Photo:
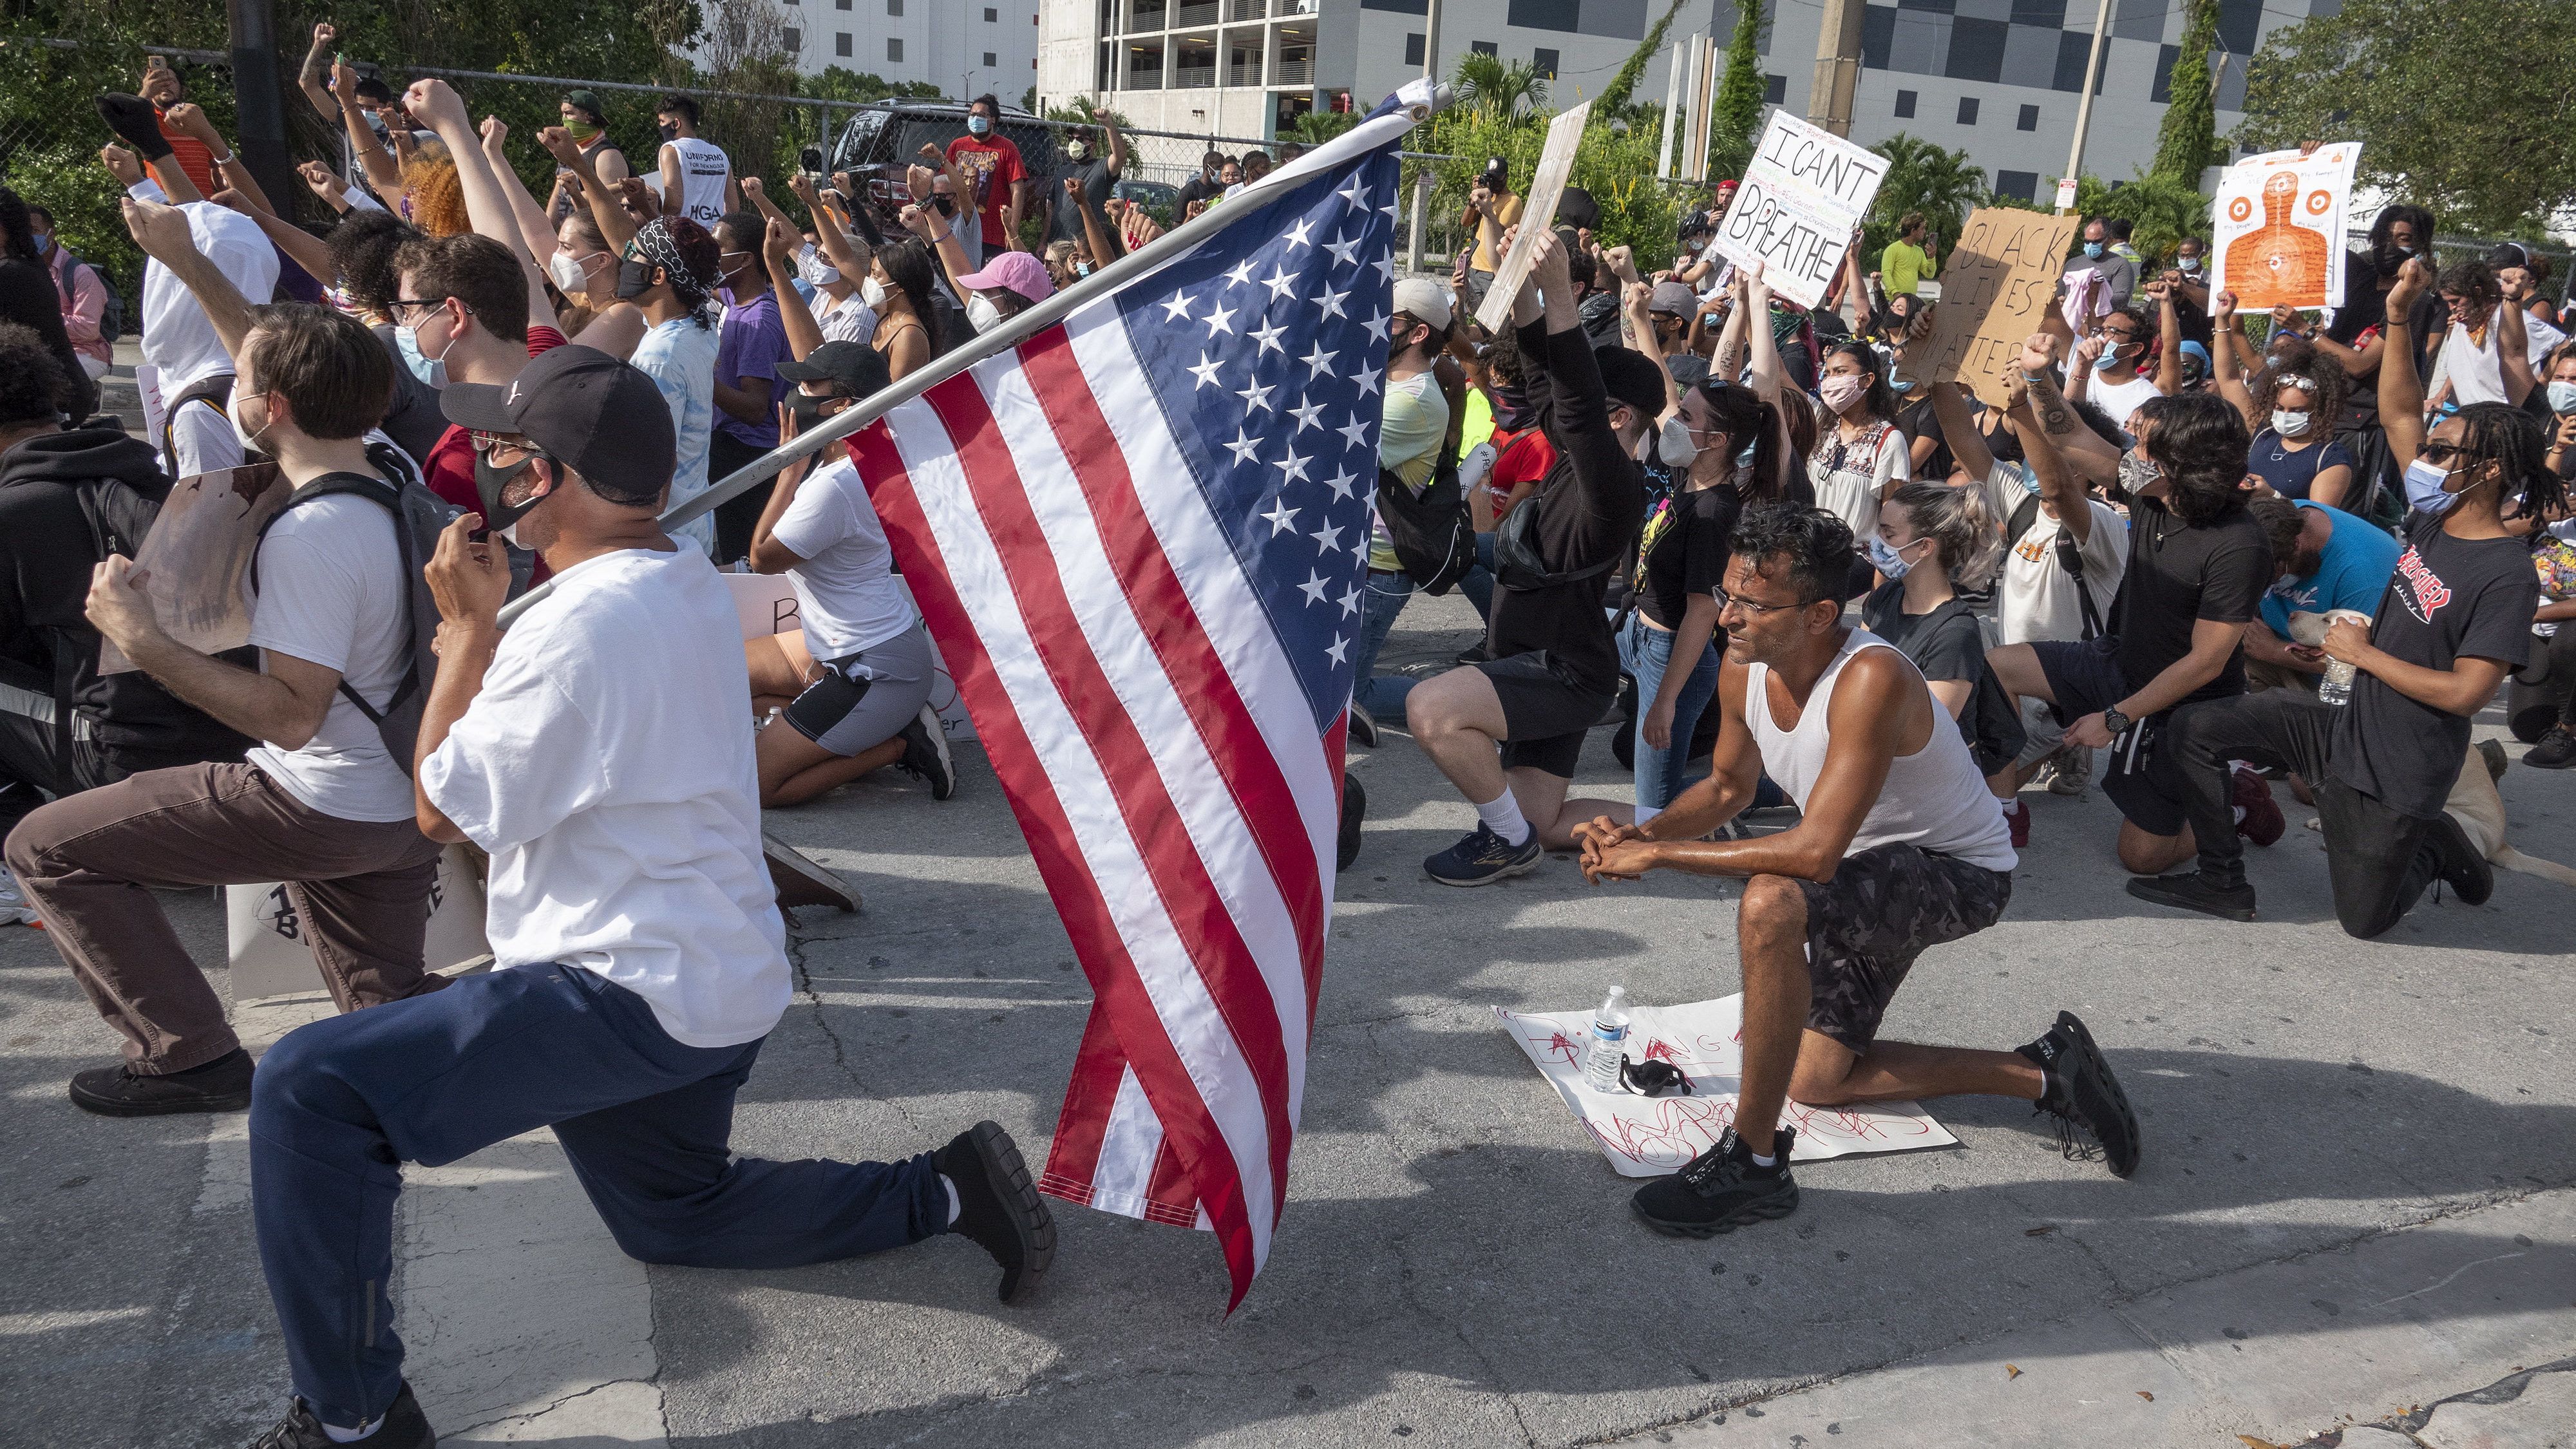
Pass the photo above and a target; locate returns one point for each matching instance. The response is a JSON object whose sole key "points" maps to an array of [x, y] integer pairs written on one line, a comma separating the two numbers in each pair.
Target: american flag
{"points": [[1139, 538]]}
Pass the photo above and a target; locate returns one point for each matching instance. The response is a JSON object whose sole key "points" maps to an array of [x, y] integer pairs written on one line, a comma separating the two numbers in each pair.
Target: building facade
{"points": [[964, 47], [1998, 79]]}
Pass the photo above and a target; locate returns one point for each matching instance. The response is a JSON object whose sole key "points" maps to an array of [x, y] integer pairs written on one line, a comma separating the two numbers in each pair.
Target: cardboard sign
{"points": [[2277, 228], [1651, 1136], [196, 559], [1803, 194], [269, 943], [1555, 164], [1995, 292]]}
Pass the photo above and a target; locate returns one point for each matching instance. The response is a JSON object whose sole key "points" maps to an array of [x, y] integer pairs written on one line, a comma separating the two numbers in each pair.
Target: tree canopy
{"points": [[1736, 116]]}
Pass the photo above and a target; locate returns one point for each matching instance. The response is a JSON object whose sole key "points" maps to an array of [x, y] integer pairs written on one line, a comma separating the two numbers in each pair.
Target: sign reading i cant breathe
{"points": [[1801, 198]]}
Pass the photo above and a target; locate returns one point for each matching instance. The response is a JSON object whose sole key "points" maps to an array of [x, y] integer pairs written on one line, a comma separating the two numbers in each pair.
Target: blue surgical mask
{"points": [[1899, 385], [2562, 397], [2424, 490], [431, 371], [1889, 561], [979, 125], [2188, 264], [2093, 249]]}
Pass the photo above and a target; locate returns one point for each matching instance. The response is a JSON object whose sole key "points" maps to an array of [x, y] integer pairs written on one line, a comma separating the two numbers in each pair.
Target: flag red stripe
{"points": [[1115, 982], [1074, 1157], [1205, 929], [1162, 607]]}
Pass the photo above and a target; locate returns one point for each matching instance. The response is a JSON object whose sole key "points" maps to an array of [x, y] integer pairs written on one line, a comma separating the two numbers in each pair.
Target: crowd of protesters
{"points": [[1793, 580]]}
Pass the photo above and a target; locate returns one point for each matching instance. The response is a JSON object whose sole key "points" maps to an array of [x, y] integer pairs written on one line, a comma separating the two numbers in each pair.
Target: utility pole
{"points": [[1422, 176], [1829, 105], [2092, 78], [259, 101]]}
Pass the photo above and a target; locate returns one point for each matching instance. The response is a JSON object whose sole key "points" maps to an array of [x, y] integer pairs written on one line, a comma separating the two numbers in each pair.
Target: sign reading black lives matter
{"points": [[1801, 198]]}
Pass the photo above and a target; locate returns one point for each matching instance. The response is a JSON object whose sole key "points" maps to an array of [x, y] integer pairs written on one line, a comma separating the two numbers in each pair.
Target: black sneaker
{"points": [[1721, 1190], [1363, 727], [222, 1085], [1475, 653], [2556, 750], [2193, 891], [998, 1206], [403, 1427], [925, 754], [1482, 859], [2083, 1096], [2464, 870], [1354, 810]]}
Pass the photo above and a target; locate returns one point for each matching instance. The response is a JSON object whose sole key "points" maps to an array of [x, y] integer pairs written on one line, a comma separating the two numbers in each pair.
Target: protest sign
{"points": [[1804, 193], [1555, 164], [196, 560], [1651, 1136], [268, 943], [2277, 228], [1995, 292]]}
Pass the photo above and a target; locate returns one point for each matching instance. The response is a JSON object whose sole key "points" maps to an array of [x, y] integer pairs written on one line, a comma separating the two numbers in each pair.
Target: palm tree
{"points": [[1507, 89], [1943, 185], [1314, 128]]}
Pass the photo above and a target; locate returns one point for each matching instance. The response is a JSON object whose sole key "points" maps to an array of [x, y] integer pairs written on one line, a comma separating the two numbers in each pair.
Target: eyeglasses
{"points": [[2121, 334], [502, 451], [1726, 601], [405, 308]]}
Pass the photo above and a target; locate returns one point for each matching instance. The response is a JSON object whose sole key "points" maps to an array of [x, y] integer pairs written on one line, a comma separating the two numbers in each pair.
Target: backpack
{"points": [[111, 318], [215, 392], [2070, 557], [1517, 564], [1434, 542], [420, 516]]}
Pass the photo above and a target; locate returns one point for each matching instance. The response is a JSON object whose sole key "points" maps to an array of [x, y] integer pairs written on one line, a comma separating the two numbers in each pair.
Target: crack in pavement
{"points": [[533, 1415], [805, 987]]}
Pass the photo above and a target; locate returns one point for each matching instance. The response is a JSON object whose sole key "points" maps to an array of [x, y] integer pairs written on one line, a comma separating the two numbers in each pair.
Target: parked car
{"points": [[1160, 202], [880, 141]]}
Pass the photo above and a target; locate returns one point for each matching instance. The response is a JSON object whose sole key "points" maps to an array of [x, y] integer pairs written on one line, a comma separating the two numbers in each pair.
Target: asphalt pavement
{"points": [[2354, 1208]]}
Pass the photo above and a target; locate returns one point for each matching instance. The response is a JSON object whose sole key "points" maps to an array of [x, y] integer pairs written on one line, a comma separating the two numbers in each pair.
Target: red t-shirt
{"points": [[448, 471], [193, 158], [995, 165]]}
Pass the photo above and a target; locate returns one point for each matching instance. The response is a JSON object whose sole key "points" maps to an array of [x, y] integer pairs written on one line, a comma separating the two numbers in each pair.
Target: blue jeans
{"points": [[1382, 597], [340, 1105], [1647, 654], [1478, 583]]}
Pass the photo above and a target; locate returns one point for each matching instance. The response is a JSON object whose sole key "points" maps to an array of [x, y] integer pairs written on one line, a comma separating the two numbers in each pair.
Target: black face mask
{"points": [[488, 485], [946, 206], [634, 278], [806, 409], [670, 130]]}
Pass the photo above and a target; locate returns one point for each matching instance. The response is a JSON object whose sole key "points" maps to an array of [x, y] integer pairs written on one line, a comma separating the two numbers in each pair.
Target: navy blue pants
{"points": [[340, 1105]]}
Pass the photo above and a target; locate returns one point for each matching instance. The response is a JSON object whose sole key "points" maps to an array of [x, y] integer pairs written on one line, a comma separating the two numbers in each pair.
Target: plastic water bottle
{"points": [[1609, 1044], [2336, 687]]}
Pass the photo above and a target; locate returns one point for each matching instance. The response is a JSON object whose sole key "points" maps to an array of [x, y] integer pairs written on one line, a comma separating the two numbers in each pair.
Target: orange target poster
{"points": [[2278, 226]]}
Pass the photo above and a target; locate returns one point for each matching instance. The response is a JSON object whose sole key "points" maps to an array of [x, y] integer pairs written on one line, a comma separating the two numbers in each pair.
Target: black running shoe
{"points": [[925, 754], [1482, 859], [998, 1206], [2193, 891], [1475, 653], [403, 1427], [1354, 810], [2464, 870], [1363, 727], [222, 1085], [2083, 1096], [1721, 1190], [2556, 750]]}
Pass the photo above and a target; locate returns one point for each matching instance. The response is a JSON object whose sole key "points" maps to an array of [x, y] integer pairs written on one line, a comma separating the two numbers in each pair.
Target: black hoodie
{"points": [[48, 547]]}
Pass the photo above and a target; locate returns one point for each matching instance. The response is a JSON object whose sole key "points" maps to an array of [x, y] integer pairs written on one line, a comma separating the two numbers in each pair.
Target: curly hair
{"points": [[32, 386], [2199, 439], [362, 251], [436, 194], [2302, 364], [1969, 537]]}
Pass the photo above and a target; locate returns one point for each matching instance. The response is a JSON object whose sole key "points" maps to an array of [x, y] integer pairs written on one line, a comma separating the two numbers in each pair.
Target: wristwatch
{"points": [[2116, 722]]}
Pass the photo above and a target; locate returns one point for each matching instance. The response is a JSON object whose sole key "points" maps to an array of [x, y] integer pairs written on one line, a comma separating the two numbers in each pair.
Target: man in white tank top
{"points": [[697, 180], [1898, 847]]}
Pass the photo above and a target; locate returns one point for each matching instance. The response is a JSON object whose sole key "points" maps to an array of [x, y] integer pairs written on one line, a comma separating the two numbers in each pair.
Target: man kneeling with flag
{"points": [[598, 753]]}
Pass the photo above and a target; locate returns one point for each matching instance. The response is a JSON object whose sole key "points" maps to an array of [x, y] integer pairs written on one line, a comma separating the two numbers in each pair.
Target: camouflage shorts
{"points": [[1867, 924]]}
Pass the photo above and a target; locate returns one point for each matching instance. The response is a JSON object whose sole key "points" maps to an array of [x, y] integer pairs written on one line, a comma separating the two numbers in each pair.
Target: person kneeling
{"points": [[1898, 847], [855, 680], [597, 752]]}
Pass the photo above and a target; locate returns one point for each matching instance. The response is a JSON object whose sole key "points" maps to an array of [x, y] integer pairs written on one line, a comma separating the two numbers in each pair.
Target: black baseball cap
{"points": [[594, 414], [855, 367]]}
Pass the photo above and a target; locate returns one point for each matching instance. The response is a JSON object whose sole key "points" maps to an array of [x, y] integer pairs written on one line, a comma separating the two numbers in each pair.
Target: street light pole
{"points": [[2092, 78], [1422, 177]]}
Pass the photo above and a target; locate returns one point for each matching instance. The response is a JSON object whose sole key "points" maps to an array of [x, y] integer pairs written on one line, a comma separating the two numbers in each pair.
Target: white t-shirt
{"points": [[703, 173], [202, 438], [2472, 369], [331, 593], [2120, 399], [848, 320], [608, 770], [846, 592], [2035, 597], [680, 357]]}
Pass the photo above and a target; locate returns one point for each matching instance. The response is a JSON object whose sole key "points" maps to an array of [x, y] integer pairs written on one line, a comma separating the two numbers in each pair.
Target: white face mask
{"points": [[1674, 445], [2562, 397], [2290, 424], [873, 293], [816, 271], [982, 314], [232, 410], [569, 278]]}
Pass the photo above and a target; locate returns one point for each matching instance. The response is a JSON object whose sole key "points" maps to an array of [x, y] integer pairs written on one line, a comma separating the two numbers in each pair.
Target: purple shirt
{"points": [[750, 346]]}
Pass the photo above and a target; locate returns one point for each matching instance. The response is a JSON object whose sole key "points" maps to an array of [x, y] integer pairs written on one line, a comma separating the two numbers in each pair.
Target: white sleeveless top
{"points": [[703, 171], [1934, 799]]}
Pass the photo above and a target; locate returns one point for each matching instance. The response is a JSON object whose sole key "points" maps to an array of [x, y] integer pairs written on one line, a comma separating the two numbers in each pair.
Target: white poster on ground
{"points": [[1651, 1136], [1804, 192], [2277, 228]]}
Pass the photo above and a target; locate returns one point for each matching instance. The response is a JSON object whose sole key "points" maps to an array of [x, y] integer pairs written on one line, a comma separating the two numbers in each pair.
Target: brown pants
{"points": [[90, 861]]}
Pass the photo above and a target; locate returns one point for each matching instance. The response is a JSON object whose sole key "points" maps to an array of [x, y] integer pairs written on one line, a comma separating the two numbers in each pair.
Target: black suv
{"points": [[882, 139]]}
